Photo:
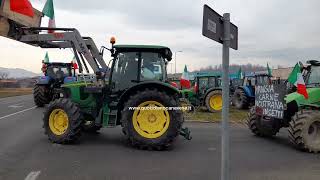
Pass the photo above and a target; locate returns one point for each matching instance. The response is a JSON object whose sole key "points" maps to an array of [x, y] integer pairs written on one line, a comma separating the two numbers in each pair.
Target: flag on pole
{"points": [[185, 79], [46, 58], [240, 74], [22, 7], [74, 63], [297, 80], [48, 11], [269, 70]]}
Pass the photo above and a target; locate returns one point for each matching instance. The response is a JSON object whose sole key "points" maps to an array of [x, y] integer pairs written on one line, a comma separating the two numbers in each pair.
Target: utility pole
{"points": [[175, 61]]}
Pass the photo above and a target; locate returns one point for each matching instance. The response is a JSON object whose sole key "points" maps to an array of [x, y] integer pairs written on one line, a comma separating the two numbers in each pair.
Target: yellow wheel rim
{"points": [[216, 102], [58, 122], [150, 121]]}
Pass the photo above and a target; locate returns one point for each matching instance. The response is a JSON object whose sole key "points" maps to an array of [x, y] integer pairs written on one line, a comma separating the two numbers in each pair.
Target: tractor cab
{"points": [[135, 64], [58, 71]]}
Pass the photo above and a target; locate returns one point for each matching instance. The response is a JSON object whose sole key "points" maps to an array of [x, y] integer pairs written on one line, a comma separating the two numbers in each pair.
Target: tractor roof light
{"points": [[112, 40]]}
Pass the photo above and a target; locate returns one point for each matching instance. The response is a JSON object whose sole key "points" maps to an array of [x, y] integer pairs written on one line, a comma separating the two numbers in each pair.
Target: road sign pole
{"points": [[225, 169]]}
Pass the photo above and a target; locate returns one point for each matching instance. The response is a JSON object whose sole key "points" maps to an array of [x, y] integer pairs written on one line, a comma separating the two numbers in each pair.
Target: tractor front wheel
{"points": [[213, 101], [147, 121], [62, 121], [304, 130], [41, 95], [240, 99]]}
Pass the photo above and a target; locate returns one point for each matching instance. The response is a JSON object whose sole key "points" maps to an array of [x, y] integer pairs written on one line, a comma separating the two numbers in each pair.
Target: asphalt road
{"points": [[25, 153]]}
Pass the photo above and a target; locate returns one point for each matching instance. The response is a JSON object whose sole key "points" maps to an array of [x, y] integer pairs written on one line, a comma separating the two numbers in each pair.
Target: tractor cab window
{"points": [[125, 70], [203, 84], [152, 67], [58, 72], [263, 80], [314, 75], [212, 82]]}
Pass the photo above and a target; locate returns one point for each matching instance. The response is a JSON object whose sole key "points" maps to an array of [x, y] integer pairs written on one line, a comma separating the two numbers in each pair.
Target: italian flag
{"points": [[22, 7], [296, 79], [185, 79], [48, 11], [74, 63], [46, 58]]}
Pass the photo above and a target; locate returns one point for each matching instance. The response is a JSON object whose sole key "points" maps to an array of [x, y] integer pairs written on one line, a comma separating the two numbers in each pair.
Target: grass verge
{"points": [[203, 115], [9, 92]]}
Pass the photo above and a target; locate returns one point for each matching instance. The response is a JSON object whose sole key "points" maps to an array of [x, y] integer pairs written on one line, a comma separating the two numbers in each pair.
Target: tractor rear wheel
{"points": [[41, 95], [213, 101], [240, 99], [151, 125], [62, 121], [304, 130], [255, 125]]}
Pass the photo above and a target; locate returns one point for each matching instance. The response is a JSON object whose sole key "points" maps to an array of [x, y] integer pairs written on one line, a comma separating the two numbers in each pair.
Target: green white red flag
{"points": [[296, 79], [74, 63], [185, 79], [48, 11], [22, 7], [46, 58]]}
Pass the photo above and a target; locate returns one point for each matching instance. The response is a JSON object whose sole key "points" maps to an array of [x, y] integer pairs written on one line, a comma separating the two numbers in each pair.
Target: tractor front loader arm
{"points": [[66, 38]]}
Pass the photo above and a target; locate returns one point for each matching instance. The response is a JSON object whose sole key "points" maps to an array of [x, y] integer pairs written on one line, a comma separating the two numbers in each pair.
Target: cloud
{"points": [[281, 32]]}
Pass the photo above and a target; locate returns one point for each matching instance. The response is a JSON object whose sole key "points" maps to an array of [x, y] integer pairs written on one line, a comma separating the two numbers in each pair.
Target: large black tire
{"points": [[209, 106], [166, 139], [73, 130], [41, 95], [89, 125], [256, 127], [304, 130], [240, 99]]}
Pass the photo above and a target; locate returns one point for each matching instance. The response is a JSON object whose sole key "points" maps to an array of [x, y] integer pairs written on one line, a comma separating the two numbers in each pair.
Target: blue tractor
{"points": [[48, 86], [244, 89]]}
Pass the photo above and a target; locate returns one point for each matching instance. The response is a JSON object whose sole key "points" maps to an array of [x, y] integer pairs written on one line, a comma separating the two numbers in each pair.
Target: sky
{"points": [[280, 32]]}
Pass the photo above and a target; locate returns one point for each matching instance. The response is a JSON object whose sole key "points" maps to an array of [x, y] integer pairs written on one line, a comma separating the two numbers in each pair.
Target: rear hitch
{"points": [[186, 133]]}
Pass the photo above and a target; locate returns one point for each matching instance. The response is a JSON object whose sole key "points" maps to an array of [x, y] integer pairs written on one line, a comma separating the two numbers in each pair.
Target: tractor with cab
{"points": [[132, 91], [206, 92], [301, 116], [244, 89], [48, 86]]}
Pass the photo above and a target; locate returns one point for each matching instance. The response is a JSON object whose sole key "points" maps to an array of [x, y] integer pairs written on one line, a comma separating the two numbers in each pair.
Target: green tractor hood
{"points": [[313, 100]]}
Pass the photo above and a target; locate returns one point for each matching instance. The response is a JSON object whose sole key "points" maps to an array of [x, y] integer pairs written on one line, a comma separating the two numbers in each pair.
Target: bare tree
{"points": [[4, 75]]}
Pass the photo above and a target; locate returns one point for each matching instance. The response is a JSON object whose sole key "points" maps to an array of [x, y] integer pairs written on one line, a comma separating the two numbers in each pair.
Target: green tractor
{"points": [[133, 93], [207, 92], [301, 116]]}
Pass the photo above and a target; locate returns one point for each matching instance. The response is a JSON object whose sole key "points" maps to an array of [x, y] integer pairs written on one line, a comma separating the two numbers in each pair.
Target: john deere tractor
{"points": [[207, 92], [301, 115], [48, 86], [244, 90]]}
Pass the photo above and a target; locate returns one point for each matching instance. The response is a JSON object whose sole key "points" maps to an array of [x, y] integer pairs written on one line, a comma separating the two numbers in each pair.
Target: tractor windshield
{"points": [[58, 72], [314, 76]]}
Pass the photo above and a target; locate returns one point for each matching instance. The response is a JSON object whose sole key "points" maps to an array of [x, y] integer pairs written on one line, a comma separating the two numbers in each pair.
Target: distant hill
{"points": [[18, 73]]}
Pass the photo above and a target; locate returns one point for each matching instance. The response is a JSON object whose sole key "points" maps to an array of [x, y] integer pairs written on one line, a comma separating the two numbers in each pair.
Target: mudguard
{"points": [[43, 80]]}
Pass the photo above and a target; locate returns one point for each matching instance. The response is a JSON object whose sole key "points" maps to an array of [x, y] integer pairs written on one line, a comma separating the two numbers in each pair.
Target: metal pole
{"points": [[225, 169]]}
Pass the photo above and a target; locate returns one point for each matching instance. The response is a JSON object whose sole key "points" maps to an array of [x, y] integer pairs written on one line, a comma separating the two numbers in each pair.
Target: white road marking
{"points": [[18, 112], [33, 175], [20, 105]]}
